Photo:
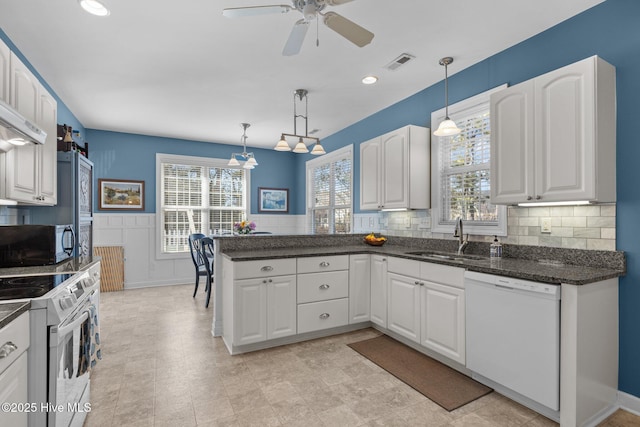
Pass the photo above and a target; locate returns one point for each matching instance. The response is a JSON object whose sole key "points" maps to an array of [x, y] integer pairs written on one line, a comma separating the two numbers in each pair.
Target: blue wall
{"points": [[127, 156], [609, 30]]}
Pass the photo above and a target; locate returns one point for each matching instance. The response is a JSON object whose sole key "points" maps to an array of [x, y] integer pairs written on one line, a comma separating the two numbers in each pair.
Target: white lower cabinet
{"points": [[442, 323], [14, 342], [264, 309], [359, 288], [404, 306], [426, 305], [378, 290]]}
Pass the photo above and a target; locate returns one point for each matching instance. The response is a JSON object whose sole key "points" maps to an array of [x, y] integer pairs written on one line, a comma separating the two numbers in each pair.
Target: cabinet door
{"points": [[21, 175], [564, 133], [13, 389], [443, 320], [47, 153], [379, 290], [5, 72], [404, 306], [250, 311], [395, 168], [281, 306], [85, 187], [370, 177], [512, 144], [359, 288]]}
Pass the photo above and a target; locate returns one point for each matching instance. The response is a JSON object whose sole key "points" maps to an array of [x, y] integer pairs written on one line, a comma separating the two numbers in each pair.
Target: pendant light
{"points": [[248, 158], [447, 126], [300, 147]]}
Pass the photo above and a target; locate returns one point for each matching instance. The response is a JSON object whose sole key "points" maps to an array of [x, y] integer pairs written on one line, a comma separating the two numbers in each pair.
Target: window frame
{"points": [[314, 163], [206, 162], [478, 102]]}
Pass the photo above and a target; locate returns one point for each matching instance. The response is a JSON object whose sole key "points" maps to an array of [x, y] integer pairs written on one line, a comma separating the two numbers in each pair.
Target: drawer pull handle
{"points": [[324, 286], [324, 264], [324, 316], [266, 268], [10, 347]]}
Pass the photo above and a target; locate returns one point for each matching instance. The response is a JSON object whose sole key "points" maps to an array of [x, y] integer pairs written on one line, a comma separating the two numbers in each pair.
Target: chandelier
{"points": [[248, 158], [301, 146]]}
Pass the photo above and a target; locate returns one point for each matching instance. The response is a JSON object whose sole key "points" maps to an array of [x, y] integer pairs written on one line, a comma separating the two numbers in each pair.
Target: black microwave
{"points": [[33, 245]]}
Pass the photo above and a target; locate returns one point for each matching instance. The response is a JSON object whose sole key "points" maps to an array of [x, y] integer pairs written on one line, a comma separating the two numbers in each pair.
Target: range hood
{"points": [[15, 130]]}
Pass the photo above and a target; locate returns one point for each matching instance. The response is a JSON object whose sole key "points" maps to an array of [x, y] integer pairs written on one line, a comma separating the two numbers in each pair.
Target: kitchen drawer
{"points": [[403, 266], [323, 286], [323, 263], [438, 273], [264, 268], [14, 339], [315, 316]]}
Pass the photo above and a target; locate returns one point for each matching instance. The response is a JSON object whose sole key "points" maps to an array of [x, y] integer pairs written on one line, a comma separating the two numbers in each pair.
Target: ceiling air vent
{"points": [[399, 61]]}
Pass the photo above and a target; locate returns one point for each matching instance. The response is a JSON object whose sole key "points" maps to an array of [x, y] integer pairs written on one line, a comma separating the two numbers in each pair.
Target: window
{"points": [[461, 171], [197, 195], [329, 189]]}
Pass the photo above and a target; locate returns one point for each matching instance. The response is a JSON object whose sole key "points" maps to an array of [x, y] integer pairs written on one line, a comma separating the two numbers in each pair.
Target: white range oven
{"points": [[64, 311]]}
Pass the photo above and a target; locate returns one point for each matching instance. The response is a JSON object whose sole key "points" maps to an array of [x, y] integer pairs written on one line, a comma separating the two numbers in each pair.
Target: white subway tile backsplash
{"points": [[574, 221], [601, 221]]}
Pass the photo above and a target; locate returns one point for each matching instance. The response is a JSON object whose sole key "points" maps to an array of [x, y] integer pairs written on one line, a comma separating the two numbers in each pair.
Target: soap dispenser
{"points": [[495, 250]]}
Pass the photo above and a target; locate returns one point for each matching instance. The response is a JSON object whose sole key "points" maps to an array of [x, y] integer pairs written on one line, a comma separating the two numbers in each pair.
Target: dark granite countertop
{"points": [[9, 311], [72, 265], [541, 270]]}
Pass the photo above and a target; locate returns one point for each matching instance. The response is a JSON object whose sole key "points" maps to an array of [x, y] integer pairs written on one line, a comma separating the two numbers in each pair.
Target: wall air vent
{"points": [[399, 61]]}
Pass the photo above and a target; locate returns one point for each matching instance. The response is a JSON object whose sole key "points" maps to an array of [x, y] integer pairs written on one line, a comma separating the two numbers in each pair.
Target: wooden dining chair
{"points": [[206, 250], [195, 246]]}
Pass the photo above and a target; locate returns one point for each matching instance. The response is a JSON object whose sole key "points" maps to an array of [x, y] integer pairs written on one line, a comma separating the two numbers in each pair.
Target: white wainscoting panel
{"points": [[137, 234]]}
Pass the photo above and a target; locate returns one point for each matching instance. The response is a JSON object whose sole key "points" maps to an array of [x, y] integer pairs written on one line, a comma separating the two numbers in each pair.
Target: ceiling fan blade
{"points": [[294, 43], [348, 29], [336, 2], [236, 12]]}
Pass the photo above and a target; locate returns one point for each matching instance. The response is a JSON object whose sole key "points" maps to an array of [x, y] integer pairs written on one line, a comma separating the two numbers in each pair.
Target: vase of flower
{"points": [[244, 227]]}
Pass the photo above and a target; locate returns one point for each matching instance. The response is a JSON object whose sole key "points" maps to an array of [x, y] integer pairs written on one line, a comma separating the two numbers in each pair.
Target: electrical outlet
{"points": [[545, 225]]}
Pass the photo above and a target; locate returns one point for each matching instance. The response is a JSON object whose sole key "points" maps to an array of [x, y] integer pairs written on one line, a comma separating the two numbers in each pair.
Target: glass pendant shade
{"points": [[300, 147], [447, 128], [252, 161], [233, 161], [248, 166], [318, 149], [282, 145]]}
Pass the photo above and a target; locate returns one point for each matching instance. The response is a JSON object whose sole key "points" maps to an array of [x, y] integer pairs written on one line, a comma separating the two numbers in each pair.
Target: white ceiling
{"points": [[180, 69]]}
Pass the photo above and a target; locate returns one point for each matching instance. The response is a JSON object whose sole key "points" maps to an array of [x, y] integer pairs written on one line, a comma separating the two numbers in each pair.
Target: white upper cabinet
{"points": [[30, 172], [5, 72], [394, 170], [553, 138]]}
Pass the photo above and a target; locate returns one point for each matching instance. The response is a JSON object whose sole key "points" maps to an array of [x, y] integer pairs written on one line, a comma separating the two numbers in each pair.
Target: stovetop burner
{"points": [[29, 286]]}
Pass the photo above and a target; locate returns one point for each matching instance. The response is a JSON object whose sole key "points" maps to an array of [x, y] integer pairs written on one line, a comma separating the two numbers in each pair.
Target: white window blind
{"points": [[198, 196], [461, 173], [329, 184]]}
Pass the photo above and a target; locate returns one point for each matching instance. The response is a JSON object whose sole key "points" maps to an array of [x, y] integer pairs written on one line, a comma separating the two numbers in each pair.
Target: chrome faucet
{"points": [[462, 242]]}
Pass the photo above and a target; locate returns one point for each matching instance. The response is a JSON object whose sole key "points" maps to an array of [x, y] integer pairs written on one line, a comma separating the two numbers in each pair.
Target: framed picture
{"points": [[273, 199], [121, 194]]}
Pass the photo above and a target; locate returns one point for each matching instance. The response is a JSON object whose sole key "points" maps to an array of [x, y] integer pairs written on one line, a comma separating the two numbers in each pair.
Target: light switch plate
{"points": [[545, 225]]}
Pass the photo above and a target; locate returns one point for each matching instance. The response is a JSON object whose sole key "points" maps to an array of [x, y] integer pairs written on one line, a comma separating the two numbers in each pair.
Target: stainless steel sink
{"points": [[445, 256]]}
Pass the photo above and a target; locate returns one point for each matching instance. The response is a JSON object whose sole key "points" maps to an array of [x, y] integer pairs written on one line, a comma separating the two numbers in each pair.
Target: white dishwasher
{"points": [[513, 337]]}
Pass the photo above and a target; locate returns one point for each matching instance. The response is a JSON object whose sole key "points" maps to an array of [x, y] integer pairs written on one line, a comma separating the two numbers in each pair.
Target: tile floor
{"points": [[162, 367]]}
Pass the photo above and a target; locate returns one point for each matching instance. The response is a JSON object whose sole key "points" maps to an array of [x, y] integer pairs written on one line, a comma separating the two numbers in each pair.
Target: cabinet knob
{"points": [[416, 283], [10, 347], [538, 197], [266, 268], [324, 316], [529, 197], [324, 286], [324, 264]]}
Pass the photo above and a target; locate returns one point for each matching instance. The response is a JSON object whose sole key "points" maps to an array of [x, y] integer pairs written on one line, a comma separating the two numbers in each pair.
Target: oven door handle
{"points": [[64, 330]]}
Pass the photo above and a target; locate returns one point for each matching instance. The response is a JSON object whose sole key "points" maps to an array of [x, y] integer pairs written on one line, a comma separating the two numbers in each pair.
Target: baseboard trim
{"points": [[629, 402]]}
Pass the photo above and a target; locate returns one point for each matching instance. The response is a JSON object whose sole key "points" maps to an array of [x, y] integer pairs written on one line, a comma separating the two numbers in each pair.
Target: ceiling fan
{"points": [[310, 10]]}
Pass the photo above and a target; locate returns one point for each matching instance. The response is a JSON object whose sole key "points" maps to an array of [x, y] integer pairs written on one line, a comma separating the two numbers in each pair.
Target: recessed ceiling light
{"points": [[369, 80], [94, 7]]}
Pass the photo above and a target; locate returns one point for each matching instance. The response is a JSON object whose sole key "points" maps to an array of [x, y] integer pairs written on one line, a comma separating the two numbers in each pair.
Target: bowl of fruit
{"points": [[373, 240]]}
